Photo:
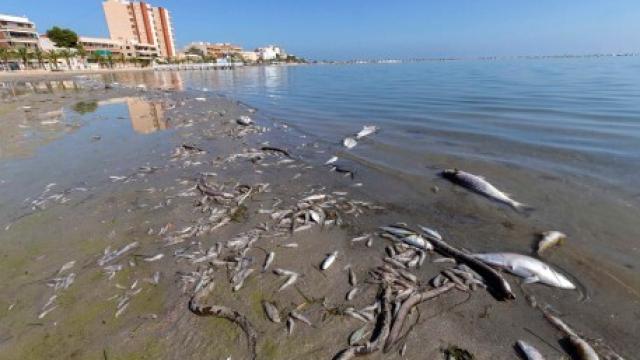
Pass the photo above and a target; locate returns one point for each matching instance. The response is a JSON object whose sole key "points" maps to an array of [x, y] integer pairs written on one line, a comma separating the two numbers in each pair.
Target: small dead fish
{"points": [[244, 120], [46, 312], [290, 245], [326, 263], [481, 186], [154, 258], [271, 311], [352, 277], [361, 238], [366, 131], [290, 281], [290, 326], [332, 160], [549, 239], [349, 142], [296, 315], [66, 266], [358, 335], [268, 261], [352, 293], [529, 351]]}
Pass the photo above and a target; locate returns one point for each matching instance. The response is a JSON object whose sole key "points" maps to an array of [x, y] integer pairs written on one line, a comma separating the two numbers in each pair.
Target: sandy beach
{"points": [[171, 193]]}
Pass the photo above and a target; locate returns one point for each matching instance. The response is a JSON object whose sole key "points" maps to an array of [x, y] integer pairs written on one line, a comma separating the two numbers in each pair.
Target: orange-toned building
{"points": [[142, 23]]}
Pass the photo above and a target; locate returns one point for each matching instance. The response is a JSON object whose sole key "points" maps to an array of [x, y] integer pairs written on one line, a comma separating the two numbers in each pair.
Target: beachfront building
{"points": [[141, 23], [249, 56], [215, 50], [101, 46], [270, 53], [17, 32]]}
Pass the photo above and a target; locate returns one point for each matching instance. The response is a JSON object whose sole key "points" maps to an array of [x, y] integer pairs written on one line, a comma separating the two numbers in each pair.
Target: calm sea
{"points": [[567, 117]]}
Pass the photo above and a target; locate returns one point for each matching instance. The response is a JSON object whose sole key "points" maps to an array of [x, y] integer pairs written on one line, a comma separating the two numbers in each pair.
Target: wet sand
{"points": [[122, 175]]}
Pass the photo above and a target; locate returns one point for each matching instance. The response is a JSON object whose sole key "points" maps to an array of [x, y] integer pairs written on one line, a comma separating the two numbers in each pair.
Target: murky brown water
{"points": [[83, 169]]}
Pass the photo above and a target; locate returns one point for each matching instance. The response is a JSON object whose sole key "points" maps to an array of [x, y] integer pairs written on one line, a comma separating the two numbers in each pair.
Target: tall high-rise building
{"points": [[142, 23]]}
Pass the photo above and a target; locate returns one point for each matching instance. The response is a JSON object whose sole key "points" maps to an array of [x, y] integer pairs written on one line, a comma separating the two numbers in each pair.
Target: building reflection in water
{"points": [[146, 116]]}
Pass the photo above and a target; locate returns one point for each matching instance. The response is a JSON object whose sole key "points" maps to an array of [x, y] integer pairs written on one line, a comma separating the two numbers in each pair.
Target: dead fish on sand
{"points": [[481, 186], [268, 260], [408, 236], [349, 142], [271, 311], [529, 351], [582, 347], [366, 131], [549, 239], [532, 270], [326, 263], [154, 258]]}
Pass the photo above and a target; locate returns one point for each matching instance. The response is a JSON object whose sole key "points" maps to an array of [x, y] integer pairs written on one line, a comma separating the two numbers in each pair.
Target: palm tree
{"points": [[24, 55], [53, 58], [123, 59], [5, 55], [66, 54], [39, 55]]}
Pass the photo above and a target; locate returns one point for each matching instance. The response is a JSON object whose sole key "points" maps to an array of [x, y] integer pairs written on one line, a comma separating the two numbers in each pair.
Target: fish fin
{"points": [[531, 279]]}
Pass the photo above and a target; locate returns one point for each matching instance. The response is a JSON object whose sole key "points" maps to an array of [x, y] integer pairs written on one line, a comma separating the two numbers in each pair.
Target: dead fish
{"points": [[358, 335], [408, 236], [481, 186], [154, 258], [275, 149], [271, 311], [326, 263], [549, 239], [351, 294], [290, 281], [582, 348], [290, 326], [352, 277], [66, 266], [532, 270], [45, 312], [289, 245], [332, 160], [529, 351], [244, 120], [366, 131], [268, 261], [296, 315], [349, 142]]}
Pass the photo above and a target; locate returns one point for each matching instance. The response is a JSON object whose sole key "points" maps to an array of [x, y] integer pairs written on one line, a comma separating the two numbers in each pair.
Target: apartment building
{"points": [[102, 46], [142, 23], [17, 32], [216, 50]]}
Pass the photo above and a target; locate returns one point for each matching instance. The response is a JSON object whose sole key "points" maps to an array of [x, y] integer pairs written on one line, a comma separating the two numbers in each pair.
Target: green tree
{"points": [[39, 55], [53, 57], [123, 59], [65, 38], [6, 55], [66, 54]]}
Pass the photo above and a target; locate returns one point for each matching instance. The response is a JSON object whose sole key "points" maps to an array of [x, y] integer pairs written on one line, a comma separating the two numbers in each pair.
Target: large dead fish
{"points": [[481, 186], [532, 270]]}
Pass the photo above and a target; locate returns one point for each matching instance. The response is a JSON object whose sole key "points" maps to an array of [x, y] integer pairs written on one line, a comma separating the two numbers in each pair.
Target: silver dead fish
{"points": [[271, 311], [529, 351], [326, 263], [366, 131], [349, 142], [532, 270], [481, 186]]}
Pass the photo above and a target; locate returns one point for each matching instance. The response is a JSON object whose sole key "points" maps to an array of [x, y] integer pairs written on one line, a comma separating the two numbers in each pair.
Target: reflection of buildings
{"points": [[146, 116]]}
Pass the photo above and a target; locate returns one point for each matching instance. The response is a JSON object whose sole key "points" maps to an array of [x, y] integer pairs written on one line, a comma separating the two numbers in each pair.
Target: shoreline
{"points": [[291, 181], [46, 74]]}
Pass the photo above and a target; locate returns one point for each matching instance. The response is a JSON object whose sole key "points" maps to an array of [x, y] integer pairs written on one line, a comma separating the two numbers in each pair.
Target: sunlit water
{"points": [[569, 116]]}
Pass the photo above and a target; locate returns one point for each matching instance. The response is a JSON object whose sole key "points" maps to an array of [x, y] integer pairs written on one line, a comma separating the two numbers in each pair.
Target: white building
{"points": [[270, 52]]}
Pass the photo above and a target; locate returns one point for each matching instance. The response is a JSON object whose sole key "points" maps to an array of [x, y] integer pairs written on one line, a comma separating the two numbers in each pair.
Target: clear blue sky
{"points": [[344, 29]]}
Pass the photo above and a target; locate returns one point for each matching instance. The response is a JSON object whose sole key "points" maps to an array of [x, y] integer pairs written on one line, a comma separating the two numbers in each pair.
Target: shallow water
{"points": [[549, 132]]}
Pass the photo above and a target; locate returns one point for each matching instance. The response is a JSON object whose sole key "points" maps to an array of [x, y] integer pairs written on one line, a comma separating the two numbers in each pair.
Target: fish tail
{"points": [[522, 208]]}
